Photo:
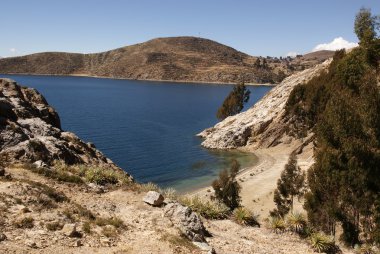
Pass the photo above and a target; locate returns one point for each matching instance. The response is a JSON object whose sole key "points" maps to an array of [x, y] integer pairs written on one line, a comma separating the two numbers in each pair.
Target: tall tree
{"points": [[289, 186], [226, 188], [234, 102], [366, 25]]}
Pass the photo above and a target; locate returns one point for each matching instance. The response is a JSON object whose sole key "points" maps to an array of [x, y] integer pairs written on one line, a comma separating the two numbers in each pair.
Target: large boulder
{"points": [[69, 229], [153, 198], [186, 220]]}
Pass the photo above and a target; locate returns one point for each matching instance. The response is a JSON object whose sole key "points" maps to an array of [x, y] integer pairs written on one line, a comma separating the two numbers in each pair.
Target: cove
{"points": [[147, 128]]}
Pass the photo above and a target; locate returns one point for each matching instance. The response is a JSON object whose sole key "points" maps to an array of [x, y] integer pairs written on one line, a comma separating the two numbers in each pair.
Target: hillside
{"points": [[175, 59], [61, 195]]}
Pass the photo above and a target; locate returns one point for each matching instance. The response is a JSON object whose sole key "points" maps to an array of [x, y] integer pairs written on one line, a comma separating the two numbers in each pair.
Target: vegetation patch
{"points": [[206, 208]]}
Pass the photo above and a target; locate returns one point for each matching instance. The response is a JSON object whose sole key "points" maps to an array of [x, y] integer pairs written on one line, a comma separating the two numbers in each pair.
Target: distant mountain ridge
{"points": [[189, 59]]}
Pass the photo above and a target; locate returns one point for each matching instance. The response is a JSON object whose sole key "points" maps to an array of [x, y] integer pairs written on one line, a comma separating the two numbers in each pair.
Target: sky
{"points": [[265, 28]]}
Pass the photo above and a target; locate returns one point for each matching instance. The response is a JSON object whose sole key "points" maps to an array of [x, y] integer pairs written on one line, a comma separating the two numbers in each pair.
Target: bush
{"points": [[206, 208], [322, 243], [54, 226], [226, 187], [277, 224], [101, 176], [116, 222], [244, 217], [149, 187], [297, 222]]}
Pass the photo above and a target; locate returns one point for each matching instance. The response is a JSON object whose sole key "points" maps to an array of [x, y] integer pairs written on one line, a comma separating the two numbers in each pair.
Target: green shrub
{"points": [[101, 176], [54, 226], [297, 222], [169, 193], [244, 217], [149, 187], [116, 222], [87, 227], [322, 243], [206, 208], [277, 224]]}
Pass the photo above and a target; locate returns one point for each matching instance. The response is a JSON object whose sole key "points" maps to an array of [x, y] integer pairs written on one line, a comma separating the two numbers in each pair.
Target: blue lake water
{"points": [[147, 128]]}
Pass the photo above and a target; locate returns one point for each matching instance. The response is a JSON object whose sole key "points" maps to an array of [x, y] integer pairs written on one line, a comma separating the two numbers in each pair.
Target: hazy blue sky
{"points": [[256, 27]]}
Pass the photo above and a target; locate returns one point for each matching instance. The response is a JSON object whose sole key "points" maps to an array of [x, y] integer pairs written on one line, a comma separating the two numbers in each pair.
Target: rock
{"points": [[153, 198], [186, 220], [96, 188], [204, 246], [30, 243], [40, 164], [69, 230], [2, 171], [30, 131], [3, 237], [264, 124]]}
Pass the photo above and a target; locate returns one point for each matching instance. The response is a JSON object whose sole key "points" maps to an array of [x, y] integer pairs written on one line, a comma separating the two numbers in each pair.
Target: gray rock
{"points": [[40, 164], [69, 229], [2, 237], [186, 220], [96, 188], [30, 131], [153, 198], [30, 243], [204, 246]]}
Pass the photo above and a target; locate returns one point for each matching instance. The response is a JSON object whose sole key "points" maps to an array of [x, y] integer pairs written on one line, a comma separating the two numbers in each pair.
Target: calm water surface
{"points": [[147, 128]]}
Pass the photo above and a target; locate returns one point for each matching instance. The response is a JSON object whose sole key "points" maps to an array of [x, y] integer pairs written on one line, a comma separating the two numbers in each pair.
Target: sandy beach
{"points": [[259, 181]]}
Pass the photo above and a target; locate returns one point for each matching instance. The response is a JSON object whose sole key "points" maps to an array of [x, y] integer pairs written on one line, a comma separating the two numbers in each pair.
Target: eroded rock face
{"points": [[186, 220], [30, 131], [264, 125]]}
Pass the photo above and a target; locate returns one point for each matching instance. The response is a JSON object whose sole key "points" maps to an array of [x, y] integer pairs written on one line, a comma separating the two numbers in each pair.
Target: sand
{"points": [[259, 181]]}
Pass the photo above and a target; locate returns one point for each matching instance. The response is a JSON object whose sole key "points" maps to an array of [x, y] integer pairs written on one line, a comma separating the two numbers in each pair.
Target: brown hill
{"points": [[174, 58]]}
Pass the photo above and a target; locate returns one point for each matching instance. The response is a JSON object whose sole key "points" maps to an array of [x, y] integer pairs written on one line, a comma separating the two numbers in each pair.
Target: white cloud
{"points": [[292, 54], [13, 50], [337, 43]]}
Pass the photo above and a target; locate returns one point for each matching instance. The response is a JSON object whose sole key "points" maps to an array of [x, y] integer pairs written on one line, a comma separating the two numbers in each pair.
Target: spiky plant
{"points": [[169, 193], [244, 217], [296, 222], [321, 242], [277, 224], [149, 187], [207, 208]]}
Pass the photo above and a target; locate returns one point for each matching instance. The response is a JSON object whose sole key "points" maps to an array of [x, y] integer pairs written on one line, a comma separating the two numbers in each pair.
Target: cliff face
{"points": [[264, 125], [30, 130], [175, 59]]}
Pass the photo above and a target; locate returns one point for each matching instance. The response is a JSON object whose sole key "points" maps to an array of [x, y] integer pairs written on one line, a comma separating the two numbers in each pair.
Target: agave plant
{"points": [[207, 208], [277, 224], [244, 217], [297, 222], [321, 242]]}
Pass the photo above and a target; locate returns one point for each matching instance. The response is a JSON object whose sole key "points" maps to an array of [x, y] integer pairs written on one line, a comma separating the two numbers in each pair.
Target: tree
{"points": [[226, 188], [289, 186], [366, 25], [234, 102]]}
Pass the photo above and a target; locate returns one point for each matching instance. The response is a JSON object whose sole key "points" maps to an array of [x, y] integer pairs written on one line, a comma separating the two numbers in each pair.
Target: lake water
{"points": [[147, 128]]}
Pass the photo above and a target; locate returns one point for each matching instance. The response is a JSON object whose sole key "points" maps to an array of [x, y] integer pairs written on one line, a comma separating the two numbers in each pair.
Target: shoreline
{"points": [[149, 80], [259, 181]]}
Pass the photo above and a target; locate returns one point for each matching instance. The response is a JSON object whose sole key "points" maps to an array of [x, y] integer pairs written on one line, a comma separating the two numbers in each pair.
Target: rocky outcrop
{"points": [[263, 125], [186, 220], [30, 131], [153, 198]]}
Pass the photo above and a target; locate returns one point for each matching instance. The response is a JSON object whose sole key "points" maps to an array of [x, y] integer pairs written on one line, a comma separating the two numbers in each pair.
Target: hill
{"points": [[189, 59], [61, 195]]}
